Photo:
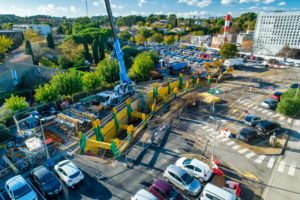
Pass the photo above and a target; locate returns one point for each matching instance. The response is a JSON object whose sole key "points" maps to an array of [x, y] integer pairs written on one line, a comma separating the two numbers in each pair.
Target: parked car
{"points": [[164, 191], [295, 85], [18, 189], [268, 127], [196, 168], [269, 103], [247, 134], [46, 181], [211, 191], [68, 172], [277, 96], [180, 178], [251, 120], [143, 195]]}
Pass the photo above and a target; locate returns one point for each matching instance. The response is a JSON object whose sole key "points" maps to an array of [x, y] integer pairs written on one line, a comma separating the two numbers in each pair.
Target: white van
{"points": [[211, 191]]}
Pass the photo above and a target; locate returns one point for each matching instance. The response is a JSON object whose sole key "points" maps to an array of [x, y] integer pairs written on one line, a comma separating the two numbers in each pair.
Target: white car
{"points": [[68, 172], [211, 191], [143, 195], [18, 189], [195, 167]]}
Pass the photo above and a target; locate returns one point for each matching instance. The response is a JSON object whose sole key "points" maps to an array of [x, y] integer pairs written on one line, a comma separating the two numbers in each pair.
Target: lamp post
{"points": [[49, 161], [218, 124]]}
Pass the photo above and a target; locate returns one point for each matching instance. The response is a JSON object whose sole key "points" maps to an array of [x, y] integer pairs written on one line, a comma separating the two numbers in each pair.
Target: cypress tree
{"points": [[28, 50], [96, 51], [50, 41], [101, 49]]}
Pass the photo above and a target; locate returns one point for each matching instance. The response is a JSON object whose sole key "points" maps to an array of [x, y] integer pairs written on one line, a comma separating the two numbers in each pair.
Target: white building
{"points": [[275, 30], [42, 29]]}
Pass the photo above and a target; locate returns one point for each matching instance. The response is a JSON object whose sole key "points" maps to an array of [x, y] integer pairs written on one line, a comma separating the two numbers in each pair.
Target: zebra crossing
{"points": [[268, 112]]}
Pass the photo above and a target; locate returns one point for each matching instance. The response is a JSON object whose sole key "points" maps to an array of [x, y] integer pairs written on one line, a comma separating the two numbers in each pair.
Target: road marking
{"points": [[264, 111], [243, 151], [246, 103], [292, 169], [205, 127], [236, 147], [259, 109], [281, 166], [289, 120], [270, 113], [250, 155], [231, 143], [225, 139], [271, 162], [254, 107], [281, 118], [210, 130], [297, 122], [219, 136], [36, 190], [260, 159], [277, 115]]}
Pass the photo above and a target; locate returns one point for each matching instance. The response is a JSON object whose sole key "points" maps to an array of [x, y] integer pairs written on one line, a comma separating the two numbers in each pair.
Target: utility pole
{"points": [[218, 124], [86, 8]]}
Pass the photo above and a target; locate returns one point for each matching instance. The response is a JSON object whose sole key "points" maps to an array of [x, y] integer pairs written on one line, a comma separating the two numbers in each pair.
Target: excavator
{"points": [[220, 73]]}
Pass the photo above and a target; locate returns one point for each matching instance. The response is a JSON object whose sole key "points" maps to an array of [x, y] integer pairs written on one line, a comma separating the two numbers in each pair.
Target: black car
{"points": [[251, 120], [268, 127], [295, 85], [46, 181], [247, 134]]}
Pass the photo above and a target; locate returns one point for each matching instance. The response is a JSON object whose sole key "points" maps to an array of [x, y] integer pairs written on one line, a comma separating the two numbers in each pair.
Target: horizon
{"points": [[181, 8]]}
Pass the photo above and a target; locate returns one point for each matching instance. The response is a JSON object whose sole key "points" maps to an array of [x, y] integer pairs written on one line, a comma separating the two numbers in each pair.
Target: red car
{"points": [[276, 96], [164, 191]]}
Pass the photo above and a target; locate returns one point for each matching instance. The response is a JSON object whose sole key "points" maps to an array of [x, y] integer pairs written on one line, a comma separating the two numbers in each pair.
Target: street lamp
{"points": [[49, 161], [218, 124]]}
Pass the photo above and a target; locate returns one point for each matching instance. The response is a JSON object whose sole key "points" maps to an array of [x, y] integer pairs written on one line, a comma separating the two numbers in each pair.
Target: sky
{"points": [[182, 8]]}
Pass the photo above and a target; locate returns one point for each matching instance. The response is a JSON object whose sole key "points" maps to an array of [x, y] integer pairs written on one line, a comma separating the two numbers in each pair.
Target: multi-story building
{"points": [[218, 40], [275, 30], [244, 41], [42, 29]]}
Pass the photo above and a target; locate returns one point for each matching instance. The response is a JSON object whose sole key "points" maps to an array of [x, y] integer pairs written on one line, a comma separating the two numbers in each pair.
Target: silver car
{"points": [[180, 178]]}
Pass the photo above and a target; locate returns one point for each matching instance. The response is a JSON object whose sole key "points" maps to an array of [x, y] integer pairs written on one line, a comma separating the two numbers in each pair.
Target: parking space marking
{"points": [[277, 115], [271, 162], [250, 155], [264, 111], [36, 190], [225, 139], [292, 169], [236, 147], [260, 159], [259, 109], [231, 143], [205, 127], [281, 166], [255, 107], [270, 113], [243, 151], [289, 120], [281, 118]]}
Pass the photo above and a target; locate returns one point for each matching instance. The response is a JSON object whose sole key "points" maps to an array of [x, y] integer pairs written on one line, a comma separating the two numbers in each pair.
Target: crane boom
{"points": [[123, 76]]}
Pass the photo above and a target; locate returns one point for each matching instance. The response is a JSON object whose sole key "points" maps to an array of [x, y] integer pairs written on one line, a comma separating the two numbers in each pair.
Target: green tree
{"points": [[142, 65], [140, 39], [124, 35], [50, 41], [28, 50], [15, 104], [46, 93], [4, 133], [145, 32], [101, 49], [228, 50], [67, 83], [63, 62], [5, 44], [153, 55], [289, 103], [92, 80], [109, 69], [169, 39], [47, 62], [140, 23], [7, 26], [157, 37], [32, 36], [96, 51], [129, 54]]}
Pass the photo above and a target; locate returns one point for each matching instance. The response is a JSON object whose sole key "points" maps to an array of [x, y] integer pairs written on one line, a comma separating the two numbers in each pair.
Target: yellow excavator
{"points": [[220, 73]]}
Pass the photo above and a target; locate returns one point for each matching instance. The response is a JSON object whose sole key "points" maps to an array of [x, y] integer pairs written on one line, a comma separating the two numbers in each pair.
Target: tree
{"points": [[5, 44], [287, 52], [15, 104], [32, 36], [157, 37], [140, 23], [140, 39], [28, 50], [142, 65], [46, 93], [50, 41], [153, 55], [289, 103], [129, 54], [198, 33], [63, 62], [4, 133], [169, 39], [71, 50], [96, 51], [92, 80], [109, 69], [228, 50], [47, 62], [145, 32], [101, 49], [124, 35], [67, 83], [7, 26]]}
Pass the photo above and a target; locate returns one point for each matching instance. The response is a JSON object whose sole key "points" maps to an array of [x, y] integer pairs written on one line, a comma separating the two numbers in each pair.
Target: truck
{"points": [[109, 99], [236, 62], [177, 67]]}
